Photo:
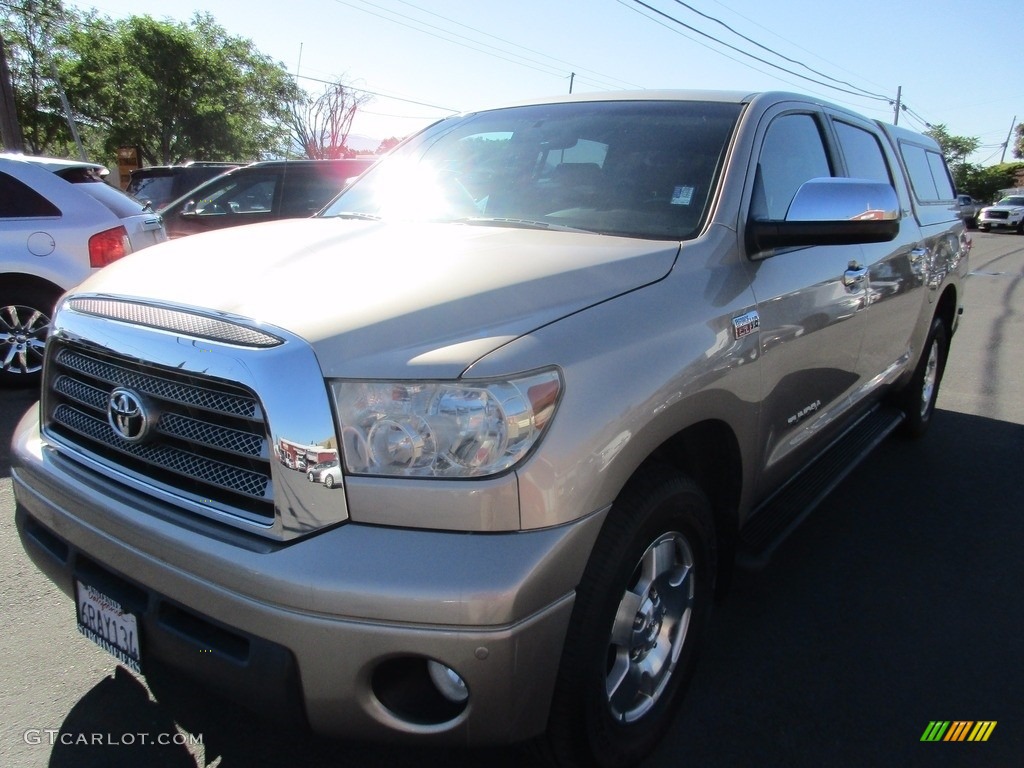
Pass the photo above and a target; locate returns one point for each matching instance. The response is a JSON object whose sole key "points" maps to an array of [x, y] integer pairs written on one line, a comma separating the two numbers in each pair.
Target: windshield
{"points": [[636, 168], [1012, 201]]}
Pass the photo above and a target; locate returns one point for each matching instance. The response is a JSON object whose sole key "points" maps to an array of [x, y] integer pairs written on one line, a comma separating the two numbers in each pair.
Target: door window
{"points": [[863, 153], [793, 152]]}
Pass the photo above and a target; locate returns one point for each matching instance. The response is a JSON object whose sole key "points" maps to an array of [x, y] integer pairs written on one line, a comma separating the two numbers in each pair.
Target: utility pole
{"points": [[899, 95], [1013, 124], [572, 76], [67, 112], [10, 128]]}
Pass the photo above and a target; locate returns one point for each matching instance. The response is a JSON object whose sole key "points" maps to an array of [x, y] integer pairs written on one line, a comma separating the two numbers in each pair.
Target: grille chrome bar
{"points": [[208, 442], [182, 393], [178, 461]]}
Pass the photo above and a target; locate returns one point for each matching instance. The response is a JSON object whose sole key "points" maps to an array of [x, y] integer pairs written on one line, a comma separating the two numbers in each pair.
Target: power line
{"points": [[461, 40], [575, 68], [861, 94], [378, 93], [776, 53]]}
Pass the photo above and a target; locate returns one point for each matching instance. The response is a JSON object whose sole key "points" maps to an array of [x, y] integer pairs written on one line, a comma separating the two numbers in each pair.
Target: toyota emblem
{"points": [[128, 415]]}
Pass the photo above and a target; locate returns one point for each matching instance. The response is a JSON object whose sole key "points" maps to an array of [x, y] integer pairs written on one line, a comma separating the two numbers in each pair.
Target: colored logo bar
{"points": [[959, 730]]}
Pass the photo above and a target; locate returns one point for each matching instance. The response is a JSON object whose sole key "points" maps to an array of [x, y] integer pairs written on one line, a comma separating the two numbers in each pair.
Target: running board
{"points": [[779, 515]]}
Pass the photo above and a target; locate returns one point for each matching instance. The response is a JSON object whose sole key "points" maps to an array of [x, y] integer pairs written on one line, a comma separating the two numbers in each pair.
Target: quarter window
{"points": [[928, 174], [19, 201]]}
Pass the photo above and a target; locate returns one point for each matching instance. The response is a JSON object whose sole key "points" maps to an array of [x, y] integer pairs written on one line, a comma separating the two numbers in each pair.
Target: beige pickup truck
{"points": [[574, 358]]}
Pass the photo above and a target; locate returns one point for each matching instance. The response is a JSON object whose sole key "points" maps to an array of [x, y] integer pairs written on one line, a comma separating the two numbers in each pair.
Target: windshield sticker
{"points": [[682, 195]]}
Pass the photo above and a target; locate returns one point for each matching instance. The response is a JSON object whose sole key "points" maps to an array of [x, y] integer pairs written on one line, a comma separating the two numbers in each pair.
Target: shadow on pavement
{"points": [[895, 604]]}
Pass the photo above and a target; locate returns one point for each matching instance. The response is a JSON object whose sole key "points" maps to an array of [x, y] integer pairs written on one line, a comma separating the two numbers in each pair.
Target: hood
{"points": [[379, 299]]}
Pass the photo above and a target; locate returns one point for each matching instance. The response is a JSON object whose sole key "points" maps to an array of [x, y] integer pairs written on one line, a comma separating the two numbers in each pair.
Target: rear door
{"points": [[894, 269]]}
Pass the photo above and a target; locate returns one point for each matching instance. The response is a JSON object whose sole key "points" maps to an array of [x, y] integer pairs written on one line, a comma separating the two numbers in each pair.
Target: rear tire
{"points": [[25, 313], [917, 400], [640, 608]]}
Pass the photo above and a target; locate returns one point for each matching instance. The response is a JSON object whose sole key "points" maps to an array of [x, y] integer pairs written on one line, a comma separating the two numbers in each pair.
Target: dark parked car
{"points": [[160, 184], [275, 189]]}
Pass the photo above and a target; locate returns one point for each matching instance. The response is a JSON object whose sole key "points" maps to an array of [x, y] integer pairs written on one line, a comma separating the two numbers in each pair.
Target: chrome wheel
{"points": [[650, 627], [23, 333], [917, 399], [641, 603], [930, 379]]}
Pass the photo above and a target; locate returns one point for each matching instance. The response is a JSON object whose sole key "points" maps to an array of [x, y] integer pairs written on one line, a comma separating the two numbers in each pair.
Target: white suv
{"points": [[1008, 213], [59, 222]]}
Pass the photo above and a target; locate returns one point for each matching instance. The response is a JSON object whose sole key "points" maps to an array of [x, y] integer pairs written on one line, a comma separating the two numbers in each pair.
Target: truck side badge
{"points": [[745, 324]]}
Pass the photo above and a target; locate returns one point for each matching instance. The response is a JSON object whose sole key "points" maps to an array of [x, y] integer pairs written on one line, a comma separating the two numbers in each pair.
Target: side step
{"points": [[780, 514]]}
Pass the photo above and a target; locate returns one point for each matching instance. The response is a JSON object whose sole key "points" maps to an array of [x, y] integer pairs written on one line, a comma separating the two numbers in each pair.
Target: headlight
{"points": [[442, 428]]}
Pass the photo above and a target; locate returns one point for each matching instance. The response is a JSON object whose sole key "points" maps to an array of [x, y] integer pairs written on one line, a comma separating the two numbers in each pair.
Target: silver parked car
{"points": [[326, 472], [59, 223]]}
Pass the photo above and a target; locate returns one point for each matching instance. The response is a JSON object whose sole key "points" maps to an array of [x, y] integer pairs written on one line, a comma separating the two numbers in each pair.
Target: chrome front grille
{"points": [[208, 443]]}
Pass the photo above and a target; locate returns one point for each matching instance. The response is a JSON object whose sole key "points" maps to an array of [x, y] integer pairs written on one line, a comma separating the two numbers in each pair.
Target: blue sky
{"points": [[425, 58]]}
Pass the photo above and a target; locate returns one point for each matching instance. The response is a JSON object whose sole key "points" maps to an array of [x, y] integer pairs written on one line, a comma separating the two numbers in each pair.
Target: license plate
{"points": [[106, 623]]}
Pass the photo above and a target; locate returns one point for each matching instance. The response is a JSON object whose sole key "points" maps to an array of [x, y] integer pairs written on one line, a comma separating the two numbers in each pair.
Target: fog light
{"points": [[448, 682]]}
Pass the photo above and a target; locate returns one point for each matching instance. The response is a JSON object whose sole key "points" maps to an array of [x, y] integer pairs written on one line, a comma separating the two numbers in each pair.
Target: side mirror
{"points": [[831, 211], [189, 208]]}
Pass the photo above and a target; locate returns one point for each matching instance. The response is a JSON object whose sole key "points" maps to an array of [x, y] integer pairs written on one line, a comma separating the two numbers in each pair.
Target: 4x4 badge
{"points": [[745, 324], [128, 415]]}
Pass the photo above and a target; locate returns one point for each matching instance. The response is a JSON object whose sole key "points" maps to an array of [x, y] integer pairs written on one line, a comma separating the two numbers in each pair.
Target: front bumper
{"points": [[1009, 223], [325, 629]]}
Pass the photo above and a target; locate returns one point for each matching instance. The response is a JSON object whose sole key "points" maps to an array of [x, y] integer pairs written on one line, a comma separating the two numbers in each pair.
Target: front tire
{"points": [[917, 400], [640, 607]]}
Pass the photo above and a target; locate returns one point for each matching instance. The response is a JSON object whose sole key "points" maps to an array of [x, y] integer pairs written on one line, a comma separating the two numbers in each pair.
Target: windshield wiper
{"points": [[354, 215], [493, 221]]}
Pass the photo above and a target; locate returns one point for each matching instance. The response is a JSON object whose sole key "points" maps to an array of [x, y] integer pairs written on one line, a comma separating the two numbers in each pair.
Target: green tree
{"points": [[956, 148], [177, 91], [984, 183], [30, 28]]}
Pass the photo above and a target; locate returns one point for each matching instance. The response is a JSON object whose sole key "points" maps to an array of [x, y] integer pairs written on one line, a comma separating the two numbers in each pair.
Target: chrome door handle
{"points": [[854, 275]]}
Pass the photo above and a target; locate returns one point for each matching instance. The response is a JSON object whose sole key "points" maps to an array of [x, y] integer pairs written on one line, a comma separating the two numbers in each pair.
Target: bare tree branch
{"points": [[321, 124]]}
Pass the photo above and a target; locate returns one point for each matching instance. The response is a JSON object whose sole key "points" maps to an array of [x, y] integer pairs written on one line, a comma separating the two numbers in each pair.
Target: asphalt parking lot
{"points": [[897, 604]]}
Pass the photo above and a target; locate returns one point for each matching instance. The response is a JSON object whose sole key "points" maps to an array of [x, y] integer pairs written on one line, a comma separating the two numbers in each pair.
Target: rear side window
{"points": [[120, 204], [305, 193], [19, 201], [152, 187], [929, 176], [863, 153]]}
